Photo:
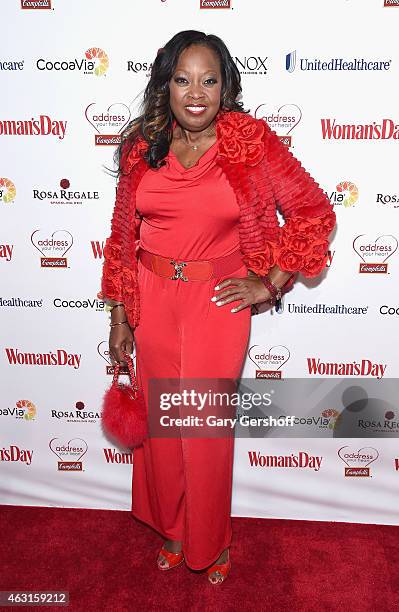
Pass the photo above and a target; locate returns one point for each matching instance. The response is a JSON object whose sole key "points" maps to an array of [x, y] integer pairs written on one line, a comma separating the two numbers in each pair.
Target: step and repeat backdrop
{"points": [[324, 76]]}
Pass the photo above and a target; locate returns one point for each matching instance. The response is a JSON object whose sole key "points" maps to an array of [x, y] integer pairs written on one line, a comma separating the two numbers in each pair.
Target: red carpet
{"points": [[106, 560]]}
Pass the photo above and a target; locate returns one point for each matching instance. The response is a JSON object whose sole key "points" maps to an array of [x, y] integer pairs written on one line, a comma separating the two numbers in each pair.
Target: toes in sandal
{"points": [[172, 559], [221, 568]]}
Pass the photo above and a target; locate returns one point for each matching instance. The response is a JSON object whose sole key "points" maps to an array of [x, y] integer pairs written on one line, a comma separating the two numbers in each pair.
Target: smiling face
{"points": [[195, 88]]}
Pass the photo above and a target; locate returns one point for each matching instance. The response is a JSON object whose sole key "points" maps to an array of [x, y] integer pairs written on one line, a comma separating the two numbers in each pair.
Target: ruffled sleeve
{"points": [[309, 216], [111, 279], [113, 270]]}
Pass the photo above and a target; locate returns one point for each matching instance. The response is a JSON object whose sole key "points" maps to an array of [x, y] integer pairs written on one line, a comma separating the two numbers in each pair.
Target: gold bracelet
{"points": [[120, 323]]}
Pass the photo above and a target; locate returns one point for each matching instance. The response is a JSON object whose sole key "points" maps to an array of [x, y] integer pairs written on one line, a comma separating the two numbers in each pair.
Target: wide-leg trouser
{"points": [[182, 486]]}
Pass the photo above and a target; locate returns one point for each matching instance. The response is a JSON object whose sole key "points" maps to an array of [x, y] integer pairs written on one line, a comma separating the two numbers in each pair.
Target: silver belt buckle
{"points": [[178, 270]]}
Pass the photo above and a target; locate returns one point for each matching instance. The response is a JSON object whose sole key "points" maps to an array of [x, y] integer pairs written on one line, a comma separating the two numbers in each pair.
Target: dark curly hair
{"points": [[155, 121]]}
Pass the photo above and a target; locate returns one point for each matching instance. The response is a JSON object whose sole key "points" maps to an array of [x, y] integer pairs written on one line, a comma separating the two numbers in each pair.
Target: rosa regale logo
{"points": [[53, 248], [282, 121], [358, 461], [270, 361], [7, 190], [108, 124], [378, 251]]}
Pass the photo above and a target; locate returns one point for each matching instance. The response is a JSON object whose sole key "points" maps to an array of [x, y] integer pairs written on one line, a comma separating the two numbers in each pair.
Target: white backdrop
{"points": [[57, 129]]}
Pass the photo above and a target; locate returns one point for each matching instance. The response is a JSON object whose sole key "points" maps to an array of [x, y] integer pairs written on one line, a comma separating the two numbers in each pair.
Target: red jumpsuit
{"points": [[182, 486]]}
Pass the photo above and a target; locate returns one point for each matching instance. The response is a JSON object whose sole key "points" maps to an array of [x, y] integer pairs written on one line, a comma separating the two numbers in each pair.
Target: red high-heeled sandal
{"points": [[222, 568], [173, 559]]}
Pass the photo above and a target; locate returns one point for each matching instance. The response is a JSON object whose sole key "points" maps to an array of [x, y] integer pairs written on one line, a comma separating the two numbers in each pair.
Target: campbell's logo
{"points": [[282, 121], [336, 63], [94, 61], [53, 248], [302, 459], [358, 460], [374, 253], [385, 130], [65, 195], [388, 200], [113, 456], [252, 64], [269, 361], [15, 454], [363, 368], [35, 4], [69, 453], [108, 122], [215, 4], [23, 409], [7, 190], [346, 194], [42, 126], [6, 251], [103, 351], [80, 414], [59, 357], [12, 65]]}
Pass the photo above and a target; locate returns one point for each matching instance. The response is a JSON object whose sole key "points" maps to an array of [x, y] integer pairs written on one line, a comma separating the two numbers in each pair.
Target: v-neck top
{"points": [[188, 213]]}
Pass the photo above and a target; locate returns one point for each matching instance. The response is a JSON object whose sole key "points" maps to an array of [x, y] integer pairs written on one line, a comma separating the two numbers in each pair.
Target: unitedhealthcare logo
{"points": [[290, 61], [335, 63]]}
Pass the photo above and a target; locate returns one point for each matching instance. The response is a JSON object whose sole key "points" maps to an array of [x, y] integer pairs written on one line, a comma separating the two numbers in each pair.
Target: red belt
{"points": [[199, 269]]}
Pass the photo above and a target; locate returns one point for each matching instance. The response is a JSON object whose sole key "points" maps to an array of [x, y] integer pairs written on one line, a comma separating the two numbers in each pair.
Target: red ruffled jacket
{"points": [[264, 174]]}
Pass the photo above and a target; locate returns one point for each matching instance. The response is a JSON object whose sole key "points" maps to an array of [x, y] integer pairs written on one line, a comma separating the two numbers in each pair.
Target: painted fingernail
{"points": [[233, 310], [213, 299], [217, 287], [219, 303]]}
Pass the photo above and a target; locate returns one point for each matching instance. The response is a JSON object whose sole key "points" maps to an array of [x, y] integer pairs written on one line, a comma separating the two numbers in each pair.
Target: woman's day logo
{"points": [[357, 461], [103, 351], [7, 190], [53, 248], [74, 450], [374, 254], [282, 121], [270, 361], [108, 123]]}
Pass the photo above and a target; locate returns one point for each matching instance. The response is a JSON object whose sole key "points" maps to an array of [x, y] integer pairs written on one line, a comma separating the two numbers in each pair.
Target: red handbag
{"points": [[124, 415]]}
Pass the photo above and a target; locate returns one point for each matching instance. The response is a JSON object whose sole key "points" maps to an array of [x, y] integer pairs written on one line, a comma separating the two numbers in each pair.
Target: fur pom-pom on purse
{"points": [[124, 415]]}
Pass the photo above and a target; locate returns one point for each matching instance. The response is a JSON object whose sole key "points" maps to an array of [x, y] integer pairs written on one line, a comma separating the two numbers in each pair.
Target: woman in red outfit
{"points": [[206, 250]]}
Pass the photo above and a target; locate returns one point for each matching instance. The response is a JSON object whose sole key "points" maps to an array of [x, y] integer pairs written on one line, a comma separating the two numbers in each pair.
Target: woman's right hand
{"points": [[120, 337]]}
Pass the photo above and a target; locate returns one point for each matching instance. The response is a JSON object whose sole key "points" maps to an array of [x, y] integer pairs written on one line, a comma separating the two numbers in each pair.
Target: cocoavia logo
{"points": [[7, 190]]}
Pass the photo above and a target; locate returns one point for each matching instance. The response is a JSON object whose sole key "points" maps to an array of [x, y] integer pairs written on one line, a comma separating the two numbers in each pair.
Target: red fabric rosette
{"points": [[240, 138]]}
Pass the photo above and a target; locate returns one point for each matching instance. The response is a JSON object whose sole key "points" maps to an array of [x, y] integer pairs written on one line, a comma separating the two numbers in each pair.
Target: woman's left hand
{"points": [[250, 290]]}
